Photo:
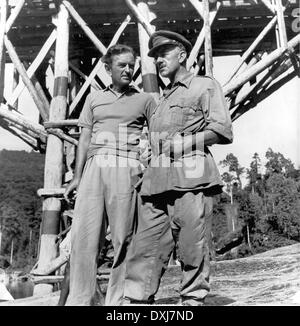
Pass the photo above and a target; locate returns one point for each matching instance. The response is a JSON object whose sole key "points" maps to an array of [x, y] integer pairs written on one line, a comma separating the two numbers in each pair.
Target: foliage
{"points": [[268, 205], [21, 174]]}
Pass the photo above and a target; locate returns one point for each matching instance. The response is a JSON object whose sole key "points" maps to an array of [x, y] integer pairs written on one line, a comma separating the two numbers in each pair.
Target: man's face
{"points": [[121, 69], [167, 59]]}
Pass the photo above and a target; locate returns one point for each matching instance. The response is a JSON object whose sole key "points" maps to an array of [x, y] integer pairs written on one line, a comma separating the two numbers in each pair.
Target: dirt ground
{"points": [[269, 278]]}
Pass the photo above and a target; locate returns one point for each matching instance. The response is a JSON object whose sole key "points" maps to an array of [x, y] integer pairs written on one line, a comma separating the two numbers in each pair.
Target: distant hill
{"points": [[21, 174]]}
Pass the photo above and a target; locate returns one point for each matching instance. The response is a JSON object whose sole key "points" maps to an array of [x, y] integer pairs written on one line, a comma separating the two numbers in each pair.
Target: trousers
{"points": [[185, 216], [103, 191]]}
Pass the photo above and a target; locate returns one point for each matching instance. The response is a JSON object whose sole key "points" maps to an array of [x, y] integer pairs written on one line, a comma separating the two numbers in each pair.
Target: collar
{"points": [[185, 80], [131, 88]]}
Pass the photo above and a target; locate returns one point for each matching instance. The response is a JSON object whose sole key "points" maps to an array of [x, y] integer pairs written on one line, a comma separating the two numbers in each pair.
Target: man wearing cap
{"points": [[179, 184]]}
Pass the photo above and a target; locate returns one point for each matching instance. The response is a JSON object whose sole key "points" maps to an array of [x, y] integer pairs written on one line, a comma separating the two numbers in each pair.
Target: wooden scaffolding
{"points": [[66, 39]]}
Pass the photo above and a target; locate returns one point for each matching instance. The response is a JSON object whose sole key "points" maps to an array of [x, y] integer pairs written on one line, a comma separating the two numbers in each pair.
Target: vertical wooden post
{"points": [[14, 85], [54, 152], [11, 252], [3, 15], [207, 43], [149, 77], [281, 24]]}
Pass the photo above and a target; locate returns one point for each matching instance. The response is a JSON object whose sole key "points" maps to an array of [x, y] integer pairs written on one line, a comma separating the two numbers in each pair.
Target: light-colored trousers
{"points": [[103, 189]]}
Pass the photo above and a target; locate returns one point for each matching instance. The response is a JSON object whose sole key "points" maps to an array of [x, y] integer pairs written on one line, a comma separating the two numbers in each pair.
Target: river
{"points": [[20, 288]]}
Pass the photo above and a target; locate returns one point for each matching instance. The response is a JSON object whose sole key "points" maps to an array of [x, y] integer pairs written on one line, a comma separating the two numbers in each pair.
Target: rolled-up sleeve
{"points": [[216, 112], [86, 115]]}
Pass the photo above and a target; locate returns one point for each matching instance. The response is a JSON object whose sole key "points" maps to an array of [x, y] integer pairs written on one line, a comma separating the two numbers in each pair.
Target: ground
{"points": [[269, 278]]}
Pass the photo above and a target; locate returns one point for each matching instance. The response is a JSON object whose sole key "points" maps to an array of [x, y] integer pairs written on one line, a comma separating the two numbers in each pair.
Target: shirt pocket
{"points": [[184, 110]]}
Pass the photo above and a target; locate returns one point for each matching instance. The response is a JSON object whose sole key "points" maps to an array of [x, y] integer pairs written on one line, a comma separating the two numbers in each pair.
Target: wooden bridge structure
{"points": [[65, 40]]}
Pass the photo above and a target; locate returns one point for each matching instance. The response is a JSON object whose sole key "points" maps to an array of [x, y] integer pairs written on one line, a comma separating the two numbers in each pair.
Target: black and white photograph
{"points": [[149, 155]]}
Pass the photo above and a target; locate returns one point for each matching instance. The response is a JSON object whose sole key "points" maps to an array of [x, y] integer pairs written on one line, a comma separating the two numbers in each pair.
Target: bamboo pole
{"points": [[34, 66], [258, 67], [3, 15], [201, 37], [89, 33], [96, 68], [19, 66], [140, 17], [207, 42], [54, 151], [148, 68]]}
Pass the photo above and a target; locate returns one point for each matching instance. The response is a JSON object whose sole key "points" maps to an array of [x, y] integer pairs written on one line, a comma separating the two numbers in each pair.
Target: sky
{"points": [[274, 123]]}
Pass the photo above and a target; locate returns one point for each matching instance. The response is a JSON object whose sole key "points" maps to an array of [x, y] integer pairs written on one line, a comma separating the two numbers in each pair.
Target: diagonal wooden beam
{"points": [[253, 46], [19, 119], [96, 68], [201, 37], [94, 84], [259, 67], [262, 95], [269, 5], [198, 6], [89, 33], [34, 66], [14, 14], [19, 66], [18, 133], [141, 19]]}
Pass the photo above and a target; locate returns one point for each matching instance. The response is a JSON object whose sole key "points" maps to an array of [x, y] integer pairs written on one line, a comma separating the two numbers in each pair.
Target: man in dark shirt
{"points": [[107, 168], [179, 184]]}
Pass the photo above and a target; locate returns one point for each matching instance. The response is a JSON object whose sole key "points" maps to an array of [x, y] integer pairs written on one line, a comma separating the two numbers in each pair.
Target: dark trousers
{"points": [[184, 214]]}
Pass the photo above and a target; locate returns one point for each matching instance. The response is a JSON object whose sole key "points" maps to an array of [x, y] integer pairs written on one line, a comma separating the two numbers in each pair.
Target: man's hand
{"points": [[72, 186], [176, 146]]}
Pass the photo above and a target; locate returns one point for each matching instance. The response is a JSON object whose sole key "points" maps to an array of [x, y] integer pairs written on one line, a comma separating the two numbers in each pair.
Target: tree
{"points": [[253, 174], [277, 163], [232, 178]]}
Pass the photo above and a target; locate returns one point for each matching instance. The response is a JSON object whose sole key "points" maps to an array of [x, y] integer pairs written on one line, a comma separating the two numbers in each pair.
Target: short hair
{"points": [[116, 50]]}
